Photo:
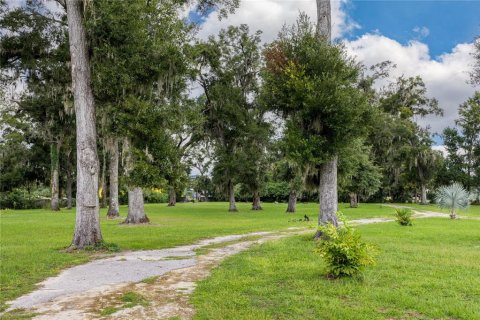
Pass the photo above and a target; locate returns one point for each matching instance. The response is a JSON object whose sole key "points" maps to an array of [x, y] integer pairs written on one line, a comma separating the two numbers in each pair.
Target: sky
{"points": [[432, 39]]}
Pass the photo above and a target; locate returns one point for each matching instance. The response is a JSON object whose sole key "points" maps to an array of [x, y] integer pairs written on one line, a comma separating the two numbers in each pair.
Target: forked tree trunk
{"points": [[353, 200], [256, 205], [231, 197], [54, 182], [113, 207], [292, 201], [136, 210], [328, 171], [103, 180], [87, 224], [424, 194], [172, 197]]}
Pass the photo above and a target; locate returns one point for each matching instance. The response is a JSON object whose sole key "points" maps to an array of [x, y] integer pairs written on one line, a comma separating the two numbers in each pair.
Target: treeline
{"points": [[277, 121]]}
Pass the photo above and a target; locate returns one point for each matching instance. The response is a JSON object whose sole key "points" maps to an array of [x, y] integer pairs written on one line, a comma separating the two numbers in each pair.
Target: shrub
{"points": [[404, 216], [344, 251]]}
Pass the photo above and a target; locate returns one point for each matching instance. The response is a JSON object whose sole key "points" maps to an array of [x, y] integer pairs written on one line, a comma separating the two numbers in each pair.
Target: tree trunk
{"points": [[54, 182], [103, 180], [424, 194], [113, 207], [324, 26], [136, 211], [328, 171], [453, 215], [328, 194], [231, 197], [172, 197], [353, 200], [292, 201], [87, 224], [256, 201]]}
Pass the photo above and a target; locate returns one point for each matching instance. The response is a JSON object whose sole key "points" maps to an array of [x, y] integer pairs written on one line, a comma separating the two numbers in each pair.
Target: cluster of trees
{"points": [[290, 115]]}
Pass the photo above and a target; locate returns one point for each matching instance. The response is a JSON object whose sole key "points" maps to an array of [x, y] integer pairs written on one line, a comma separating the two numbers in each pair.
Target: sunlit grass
{"points": [[31, 241], [428, 271]]}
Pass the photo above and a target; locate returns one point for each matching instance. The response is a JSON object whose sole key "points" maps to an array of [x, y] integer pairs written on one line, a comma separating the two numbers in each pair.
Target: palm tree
{"points": [[452, 197]]}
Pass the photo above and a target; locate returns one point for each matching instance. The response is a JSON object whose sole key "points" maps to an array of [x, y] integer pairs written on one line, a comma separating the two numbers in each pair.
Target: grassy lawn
{"points": [[472, 211], [428, 271], [31, 241]]}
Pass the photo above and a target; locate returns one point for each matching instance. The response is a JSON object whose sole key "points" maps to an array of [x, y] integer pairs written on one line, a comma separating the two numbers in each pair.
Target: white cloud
{"points": [[270, 15], [422, 32], [445, 77]]}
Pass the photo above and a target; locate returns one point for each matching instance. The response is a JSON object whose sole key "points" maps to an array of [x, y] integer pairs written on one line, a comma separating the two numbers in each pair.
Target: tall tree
{"points": [[314, 85], [87, 226], [228, 73]]}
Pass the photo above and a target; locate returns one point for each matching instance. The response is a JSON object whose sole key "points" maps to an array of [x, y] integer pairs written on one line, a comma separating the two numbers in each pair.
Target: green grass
{"points": [[471, 211], [32, 241], [428, 271]]}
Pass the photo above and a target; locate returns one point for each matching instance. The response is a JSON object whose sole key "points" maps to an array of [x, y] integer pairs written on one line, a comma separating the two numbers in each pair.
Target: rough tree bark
{"points": [[292, 201], [328, 170], [256, 205], [54, 181], [424, 195], [353, 200], [172, 197], [113, 207], [231, 197], [87, 224], [136, 211]]}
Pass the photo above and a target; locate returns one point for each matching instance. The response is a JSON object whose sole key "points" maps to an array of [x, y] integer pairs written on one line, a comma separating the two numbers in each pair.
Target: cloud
{"points": [[270, 15], [422, 32], [445, 77]]}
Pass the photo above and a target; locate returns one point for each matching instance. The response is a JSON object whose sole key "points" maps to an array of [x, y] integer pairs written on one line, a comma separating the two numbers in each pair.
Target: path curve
{"points": [[82, 291]]}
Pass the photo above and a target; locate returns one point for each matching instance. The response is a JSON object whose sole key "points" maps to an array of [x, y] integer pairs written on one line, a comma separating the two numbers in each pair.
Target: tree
{"points": [[87, 226], [314, 86], [475, 76], [35, 52], [452, 197], [228, 69]]}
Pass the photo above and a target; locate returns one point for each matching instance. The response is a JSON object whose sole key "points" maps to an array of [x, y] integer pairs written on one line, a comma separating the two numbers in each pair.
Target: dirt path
{"points": [[153, 284]]}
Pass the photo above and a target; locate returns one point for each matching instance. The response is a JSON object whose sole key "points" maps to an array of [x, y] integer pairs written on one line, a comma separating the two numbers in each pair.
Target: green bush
{"points": [[345, 253], [404, 216]]}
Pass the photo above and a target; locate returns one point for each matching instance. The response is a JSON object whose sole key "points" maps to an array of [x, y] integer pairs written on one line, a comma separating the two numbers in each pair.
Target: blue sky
{"points": [[444, 23]]}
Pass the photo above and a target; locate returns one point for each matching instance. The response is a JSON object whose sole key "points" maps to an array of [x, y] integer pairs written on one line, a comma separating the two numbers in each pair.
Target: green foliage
{"points": [[103, 246], [345, 253], [453, 197], [314, 86], [404, 216]]}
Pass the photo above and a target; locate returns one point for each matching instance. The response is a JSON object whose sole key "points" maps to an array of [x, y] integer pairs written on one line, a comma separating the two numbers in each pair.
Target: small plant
{"points": [[103, 246], [452, 197], [344, 251], [404, 216]]}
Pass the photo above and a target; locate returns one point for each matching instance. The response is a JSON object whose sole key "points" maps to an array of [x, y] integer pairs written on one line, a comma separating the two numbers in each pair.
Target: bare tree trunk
{"points": [[87, 224], [54, 182], [256, 205], [136, 210], [103, 179], [328, 194], [353, 200], [324, 25], [328, 171], [172, 197], [292, 201], [231, 197], [113, 207], [424, 194], [453, 215]]}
